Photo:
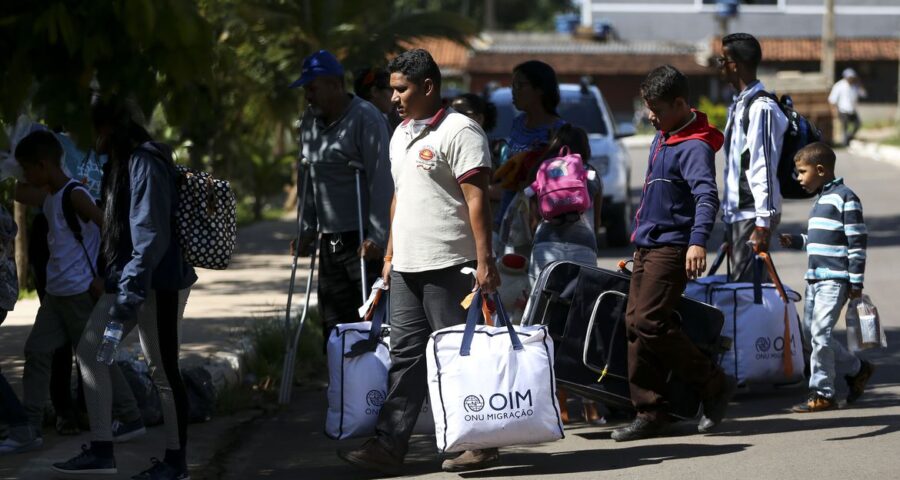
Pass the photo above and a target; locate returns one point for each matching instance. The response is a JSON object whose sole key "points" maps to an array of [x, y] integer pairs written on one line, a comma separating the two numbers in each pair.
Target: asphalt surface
{"points": [[760, 440]]}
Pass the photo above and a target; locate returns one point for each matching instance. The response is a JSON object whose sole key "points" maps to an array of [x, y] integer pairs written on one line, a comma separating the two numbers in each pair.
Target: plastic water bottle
{"points": [[106, 354]]}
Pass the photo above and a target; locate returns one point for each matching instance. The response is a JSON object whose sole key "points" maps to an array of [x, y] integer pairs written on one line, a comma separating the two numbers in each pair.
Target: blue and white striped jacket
{"points": [[836, 237]]}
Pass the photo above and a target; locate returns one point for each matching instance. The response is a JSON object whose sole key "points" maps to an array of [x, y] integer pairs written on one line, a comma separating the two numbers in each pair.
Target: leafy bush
{"points": [[717, 113]]}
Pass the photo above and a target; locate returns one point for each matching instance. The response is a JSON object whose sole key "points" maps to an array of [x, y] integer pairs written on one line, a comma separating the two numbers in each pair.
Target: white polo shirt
{"points": [[429, 158]]}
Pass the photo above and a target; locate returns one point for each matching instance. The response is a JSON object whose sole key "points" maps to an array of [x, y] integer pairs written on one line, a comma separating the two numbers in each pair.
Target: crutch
{"points": [[358, 168], [291, 341]]}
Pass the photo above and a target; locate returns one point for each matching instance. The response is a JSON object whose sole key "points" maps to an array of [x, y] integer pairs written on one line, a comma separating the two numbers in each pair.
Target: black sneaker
{"points": [[714, 408], [87, 463], [639, 429], [162, 471], [857, 383]]}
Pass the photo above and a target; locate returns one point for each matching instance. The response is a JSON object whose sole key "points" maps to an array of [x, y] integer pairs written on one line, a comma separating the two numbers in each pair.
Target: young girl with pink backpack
{"points": [[566, 198]]}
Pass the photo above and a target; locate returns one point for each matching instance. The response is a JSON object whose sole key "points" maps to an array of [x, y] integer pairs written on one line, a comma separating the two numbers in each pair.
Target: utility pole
{"points": [[897, 113], [587, 13], [490, 15], [828, 43]]}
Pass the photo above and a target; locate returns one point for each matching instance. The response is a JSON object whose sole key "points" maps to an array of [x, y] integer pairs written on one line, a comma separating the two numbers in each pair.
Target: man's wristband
{"points": [[388, 258]]}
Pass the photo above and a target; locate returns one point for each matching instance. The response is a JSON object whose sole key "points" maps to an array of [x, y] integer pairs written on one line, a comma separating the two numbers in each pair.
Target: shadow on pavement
{"points": [[888, 424], [531, 463]]}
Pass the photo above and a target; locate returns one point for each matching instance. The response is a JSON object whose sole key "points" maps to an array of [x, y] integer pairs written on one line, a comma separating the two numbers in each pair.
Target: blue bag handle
{"points": [[379, 317], [758, 267], [474, 315]]}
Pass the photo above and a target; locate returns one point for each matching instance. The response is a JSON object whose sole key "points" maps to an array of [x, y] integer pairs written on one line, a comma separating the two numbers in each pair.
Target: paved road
{"points": [[761, 440], [221, 305]]}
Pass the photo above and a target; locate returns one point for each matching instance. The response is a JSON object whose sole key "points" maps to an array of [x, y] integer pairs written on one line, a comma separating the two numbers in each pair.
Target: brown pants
{"points": [[656, 343]]}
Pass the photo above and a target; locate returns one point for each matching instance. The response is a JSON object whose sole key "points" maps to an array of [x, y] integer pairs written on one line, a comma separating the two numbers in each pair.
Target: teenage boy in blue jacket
{"points": [[671, 227]]}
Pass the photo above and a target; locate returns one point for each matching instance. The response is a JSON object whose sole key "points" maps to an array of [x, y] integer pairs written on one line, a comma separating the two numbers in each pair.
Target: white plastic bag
{"points": [[492, 386], [864, 327]]}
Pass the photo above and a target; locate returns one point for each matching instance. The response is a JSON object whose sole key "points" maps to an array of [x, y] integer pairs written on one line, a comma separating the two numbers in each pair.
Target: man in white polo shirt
{"points": [[440, 222]]}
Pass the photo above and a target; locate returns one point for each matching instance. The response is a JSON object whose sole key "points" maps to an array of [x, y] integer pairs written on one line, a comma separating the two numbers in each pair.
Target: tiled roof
{"points": [[847, 49], [584, 64], [448, 55], [563, 43]]}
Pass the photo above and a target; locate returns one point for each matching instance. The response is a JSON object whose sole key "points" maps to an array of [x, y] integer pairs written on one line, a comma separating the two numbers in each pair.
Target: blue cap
{"points": [[318, 64]]}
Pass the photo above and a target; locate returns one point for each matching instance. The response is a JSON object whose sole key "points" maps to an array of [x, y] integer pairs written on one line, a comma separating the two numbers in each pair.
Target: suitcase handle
{"points": [[590, 328], [472, 320]]}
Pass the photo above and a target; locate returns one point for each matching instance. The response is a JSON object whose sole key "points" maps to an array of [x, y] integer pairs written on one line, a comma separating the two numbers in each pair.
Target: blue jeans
{"points": [[822, 309], [545, 253]]}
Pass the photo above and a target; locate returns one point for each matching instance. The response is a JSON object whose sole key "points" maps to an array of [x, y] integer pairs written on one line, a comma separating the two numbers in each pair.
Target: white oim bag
{"points": [[492, 386], [757, 318], [358, 363]]}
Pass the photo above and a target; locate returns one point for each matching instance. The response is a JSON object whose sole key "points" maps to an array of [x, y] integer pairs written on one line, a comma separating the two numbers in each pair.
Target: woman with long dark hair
{"points": [[535, 92], [147, 285]]}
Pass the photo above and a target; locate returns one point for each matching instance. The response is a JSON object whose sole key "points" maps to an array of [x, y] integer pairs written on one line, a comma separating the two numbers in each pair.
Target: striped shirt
{"points": [[835, 241]]}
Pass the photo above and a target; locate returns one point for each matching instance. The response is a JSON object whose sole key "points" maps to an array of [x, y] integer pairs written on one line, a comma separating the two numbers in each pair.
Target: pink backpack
{"points": [[561, 185]]}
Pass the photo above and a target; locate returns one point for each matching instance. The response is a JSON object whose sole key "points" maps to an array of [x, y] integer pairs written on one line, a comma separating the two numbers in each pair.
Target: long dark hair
{"points": [[124, 136], [542, 77]]}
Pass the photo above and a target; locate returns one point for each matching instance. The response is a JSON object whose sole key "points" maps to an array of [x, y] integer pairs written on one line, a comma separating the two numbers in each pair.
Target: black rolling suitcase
{"points": [[584, 309]]}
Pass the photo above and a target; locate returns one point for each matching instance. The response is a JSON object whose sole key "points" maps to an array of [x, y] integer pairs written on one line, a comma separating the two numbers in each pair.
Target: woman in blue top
{"points": [[147, 285], [535, 92]]}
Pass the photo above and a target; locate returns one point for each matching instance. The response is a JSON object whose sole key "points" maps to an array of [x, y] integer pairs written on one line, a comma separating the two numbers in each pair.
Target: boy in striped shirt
{"points": [[835, 244]]}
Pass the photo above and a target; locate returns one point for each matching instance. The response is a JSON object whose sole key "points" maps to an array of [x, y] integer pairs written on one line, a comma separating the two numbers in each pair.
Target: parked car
{"points": [[584, 106]]}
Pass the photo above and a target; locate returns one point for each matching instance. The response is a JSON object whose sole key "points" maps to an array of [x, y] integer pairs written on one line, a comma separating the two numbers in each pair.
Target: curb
{"points": [[876, 151]]}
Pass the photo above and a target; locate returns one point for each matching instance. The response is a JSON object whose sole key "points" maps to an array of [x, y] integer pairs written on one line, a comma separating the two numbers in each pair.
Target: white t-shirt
{"points": [[846, 96], [431, 228], [68, 271]]}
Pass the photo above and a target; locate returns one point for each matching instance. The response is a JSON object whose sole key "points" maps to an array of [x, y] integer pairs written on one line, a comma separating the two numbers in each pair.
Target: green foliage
{"points": [[266, 359], [56, 52], [717, 113], [212, 75]]}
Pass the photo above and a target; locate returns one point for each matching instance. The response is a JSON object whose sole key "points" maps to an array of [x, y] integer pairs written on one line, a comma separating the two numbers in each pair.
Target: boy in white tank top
{"points": [[72, 276]]}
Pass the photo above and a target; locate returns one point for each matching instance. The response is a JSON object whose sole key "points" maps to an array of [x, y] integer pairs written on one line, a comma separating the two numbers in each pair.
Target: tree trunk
{"points": [[21, 217]]}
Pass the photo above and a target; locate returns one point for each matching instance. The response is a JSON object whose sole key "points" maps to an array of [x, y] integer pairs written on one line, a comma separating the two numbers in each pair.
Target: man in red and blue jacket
{"points": [[671, 227]]}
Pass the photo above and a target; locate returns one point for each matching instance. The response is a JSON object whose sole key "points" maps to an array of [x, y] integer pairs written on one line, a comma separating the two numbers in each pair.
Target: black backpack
{"points": [[800, 133]]}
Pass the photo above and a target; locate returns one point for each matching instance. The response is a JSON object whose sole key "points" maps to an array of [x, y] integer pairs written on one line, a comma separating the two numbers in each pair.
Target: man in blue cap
{"points": [[340, 133]]}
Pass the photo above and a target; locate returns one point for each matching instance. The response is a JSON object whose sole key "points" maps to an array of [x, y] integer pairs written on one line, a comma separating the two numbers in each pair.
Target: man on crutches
{"points": [[344, 141]]}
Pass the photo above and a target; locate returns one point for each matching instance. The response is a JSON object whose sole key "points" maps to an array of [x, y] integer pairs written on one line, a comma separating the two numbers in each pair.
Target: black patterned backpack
{"points": [[206, 219]]}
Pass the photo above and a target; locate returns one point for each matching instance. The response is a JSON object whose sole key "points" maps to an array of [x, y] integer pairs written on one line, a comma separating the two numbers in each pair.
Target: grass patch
{"points": [[266, 359], [245, 214], [895, 140], [27, 294]]}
